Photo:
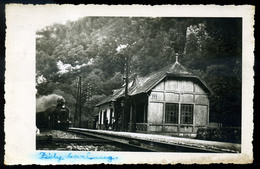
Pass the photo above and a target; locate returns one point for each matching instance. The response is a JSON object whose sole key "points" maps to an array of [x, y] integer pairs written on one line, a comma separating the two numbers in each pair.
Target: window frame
{"points": [[186, 114], [172, 113]]}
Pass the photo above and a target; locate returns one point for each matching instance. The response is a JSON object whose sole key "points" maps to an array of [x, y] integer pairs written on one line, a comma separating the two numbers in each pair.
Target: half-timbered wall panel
{"points": [[201, 112], [171, 85], [155, 113], [186, 129], [201, 99], [186, 86], [179, 85], [157, 96], [171, 129], [187, 98], [155, 128], [172, 97], [198, 89], [160, 86]]}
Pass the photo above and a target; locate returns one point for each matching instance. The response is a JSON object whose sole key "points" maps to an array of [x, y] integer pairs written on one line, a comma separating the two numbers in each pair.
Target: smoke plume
{"points": [[46, 102]]}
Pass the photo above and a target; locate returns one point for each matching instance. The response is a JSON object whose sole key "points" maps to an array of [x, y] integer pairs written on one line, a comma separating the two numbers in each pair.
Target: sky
{"points": [[47, 15], [59, 20]]}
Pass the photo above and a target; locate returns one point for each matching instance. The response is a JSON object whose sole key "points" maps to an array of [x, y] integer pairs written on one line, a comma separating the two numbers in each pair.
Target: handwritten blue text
{"points": [[74, 156]]}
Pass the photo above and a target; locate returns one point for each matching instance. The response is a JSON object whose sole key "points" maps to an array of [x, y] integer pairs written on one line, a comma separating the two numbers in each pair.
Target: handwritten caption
{"points": [[74, 156]]}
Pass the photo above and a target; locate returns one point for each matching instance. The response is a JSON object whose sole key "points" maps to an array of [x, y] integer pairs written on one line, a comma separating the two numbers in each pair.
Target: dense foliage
{"points": [[95, 49]]}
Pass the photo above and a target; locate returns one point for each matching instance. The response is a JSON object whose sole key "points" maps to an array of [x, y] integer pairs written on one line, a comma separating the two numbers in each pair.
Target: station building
{"points": [[171, 101]]}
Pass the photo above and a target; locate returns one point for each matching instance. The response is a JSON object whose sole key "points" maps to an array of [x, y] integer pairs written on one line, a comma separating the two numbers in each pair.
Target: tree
{"points": [[209, 47], [226, 99]]}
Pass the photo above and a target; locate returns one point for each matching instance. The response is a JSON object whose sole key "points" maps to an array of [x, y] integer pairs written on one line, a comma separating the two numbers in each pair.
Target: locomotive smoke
{"points": [[46, 102]]}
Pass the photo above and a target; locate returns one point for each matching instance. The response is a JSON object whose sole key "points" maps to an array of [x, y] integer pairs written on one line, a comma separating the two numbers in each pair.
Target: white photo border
{"points": [[22, 23]]}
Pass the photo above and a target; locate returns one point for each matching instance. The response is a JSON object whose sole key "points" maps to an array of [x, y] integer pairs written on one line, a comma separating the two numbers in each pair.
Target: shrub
{"points": [[224, 134]]}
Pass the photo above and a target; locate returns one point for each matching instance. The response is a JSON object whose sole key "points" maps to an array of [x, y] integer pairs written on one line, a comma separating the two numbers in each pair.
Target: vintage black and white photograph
{"points": [[129, 89], [163, 84]]}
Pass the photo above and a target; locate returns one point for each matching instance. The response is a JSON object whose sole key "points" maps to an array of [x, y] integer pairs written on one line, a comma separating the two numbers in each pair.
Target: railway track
{"points": [[127, 145], [133, 143], [88, 139]]}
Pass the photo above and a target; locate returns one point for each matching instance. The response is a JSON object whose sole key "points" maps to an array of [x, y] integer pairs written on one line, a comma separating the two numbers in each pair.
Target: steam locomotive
{"points": [[55, 117]]}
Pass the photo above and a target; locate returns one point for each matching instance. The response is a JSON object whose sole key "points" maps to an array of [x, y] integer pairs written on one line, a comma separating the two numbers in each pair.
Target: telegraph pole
{"points": [[125, 115], [88, 97], [76, 107], [80, 101]]}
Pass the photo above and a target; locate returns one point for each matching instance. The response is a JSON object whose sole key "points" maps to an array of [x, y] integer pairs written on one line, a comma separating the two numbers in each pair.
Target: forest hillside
{"points": [[95, 48]]}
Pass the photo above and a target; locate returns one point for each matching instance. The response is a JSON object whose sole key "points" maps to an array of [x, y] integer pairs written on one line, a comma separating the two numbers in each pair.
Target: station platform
{"points": [[211, 145]]}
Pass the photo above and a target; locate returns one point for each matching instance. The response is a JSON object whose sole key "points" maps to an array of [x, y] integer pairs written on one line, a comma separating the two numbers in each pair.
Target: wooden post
{"points": [[79, 101], [100, 119], [134, 115], [76, 107], [131, 119], [126, 97]]}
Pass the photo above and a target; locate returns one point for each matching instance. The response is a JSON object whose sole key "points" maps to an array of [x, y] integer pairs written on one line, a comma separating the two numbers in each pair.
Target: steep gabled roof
{"points": [[145, 84], [116, 94]]}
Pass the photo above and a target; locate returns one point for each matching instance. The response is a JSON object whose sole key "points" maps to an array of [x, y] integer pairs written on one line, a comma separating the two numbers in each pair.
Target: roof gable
{"points": [[178, 69], [146, 83]]}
